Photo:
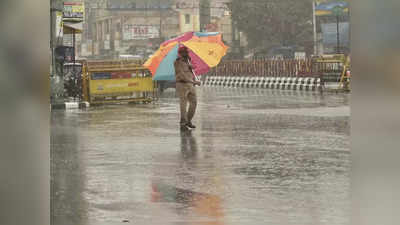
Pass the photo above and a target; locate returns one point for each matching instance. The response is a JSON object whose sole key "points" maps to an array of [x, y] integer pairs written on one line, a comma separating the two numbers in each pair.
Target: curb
{"points": [[281, 83], [70, 105]]}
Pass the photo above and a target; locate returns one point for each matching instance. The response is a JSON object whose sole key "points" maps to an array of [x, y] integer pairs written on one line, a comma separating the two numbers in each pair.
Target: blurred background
{"points": [[31, 32], [135, 28]]}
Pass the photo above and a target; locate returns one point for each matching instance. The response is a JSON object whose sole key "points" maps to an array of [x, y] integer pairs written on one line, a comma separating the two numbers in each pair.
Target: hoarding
{"points": [[328, 8], [74, 10], [59, 24], [140, 32]]}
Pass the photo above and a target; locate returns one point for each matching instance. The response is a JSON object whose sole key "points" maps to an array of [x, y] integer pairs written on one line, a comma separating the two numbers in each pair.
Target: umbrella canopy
{"points": [[205, 50]]}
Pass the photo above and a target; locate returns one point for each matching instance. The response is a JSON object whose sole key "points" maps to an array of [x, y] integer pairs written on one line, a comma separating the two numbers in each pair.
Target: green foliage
{"points": [[274, 22]]}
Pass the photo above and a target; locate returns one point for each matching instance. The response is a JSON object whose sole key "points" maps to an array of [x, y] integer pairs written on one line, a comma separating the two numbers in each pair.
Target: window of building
{"points": [[107, 24], [187, 18], [94, 32], [100, 32], [119, 28]]}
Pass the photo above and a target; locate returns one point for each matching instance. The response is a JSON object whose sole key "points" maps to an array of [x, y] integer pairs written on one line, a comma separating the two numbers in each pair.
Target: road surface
{"points": [[257, 157]]}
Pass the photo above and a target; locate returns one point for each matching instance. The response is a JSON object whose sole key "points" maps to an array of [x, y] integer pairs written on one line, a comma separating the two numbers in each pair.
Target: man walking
{"points": [[185, 87]]}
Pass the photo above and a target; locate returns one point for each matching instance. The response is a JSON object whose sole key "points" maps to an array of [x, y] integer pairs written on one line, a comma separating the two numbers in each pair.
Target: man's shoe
{"points": [[190, 125], [184, 128]]}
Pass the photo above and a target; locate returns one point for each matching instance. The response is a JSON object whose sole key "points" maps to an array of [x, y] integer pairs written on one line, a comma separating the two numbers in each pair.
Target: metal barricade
{"points": [[116, 82], [329, 67]]}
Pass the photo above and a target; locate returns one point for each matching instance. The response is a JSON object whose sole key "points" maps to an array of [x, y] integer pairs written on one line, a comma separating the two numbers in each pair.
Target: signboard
{"points": [[121, 75], [329, 32], [74, 10], [332, 7], [185, 5], [140, 32], [59, 24]]}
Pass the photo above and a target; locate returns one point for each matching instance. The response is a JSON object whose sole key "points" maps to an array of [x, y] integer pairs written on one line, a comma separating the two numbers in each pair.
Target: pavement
{"points": [[256, 157]]}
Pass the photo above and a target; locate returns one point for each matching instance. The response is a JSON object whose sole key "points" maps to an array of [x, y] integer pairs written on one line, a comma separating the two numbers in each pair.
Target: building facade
{"points": [[137, 27]]}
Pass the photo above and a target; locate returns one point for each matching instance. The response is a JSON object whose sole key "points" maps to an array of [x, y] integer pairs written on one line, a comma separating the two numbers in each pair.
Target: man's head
{"points": [[183, 52]]}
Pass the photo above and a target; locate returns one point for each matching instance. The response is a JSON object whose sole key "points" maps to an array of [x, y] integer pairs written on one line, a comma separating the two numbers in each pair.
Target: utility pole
{"points": [[159, 7], [235, 38], [56, 79], [348, 19], [315, 28]]}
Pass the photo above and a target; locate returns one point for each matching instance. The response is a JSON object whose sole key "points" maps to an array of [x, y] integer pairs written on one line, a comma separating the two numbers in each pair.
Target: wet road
{"points": [[257, 157]]}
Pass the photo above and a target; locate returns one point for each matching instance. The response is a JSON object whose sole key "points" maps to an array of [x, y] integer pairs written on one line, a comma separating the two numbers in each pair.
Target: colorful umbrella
{"points": [[205, 50]]}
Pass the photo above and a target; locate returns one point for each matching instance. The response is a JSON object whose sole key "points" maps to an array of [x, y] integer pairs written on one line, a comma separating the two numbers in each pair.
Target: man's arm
{"points": [[180, 73]]}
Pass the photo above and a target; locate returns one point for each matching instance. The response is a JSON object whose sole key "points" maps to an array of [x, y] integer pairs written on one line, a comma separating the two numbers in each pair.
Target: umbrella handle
{"points": [[196, 78]]}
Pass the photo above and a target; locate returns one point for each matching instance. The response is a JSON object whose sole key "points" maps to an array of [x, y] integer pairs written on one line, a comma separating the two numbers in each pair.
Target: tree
{"points": [[274, 22], [205, 13]]}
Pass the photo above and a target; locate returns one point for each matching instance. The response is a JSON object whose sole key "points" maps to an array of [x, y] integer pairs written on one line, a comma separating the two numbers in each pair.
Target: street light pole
{"points": [[56, 81], [337, 34]]}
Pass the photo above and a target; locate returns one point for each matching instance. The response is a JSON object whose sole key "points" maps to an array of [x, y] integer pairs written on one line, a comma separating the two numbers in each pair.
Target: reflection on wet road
{"points": [[257, 157]]}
